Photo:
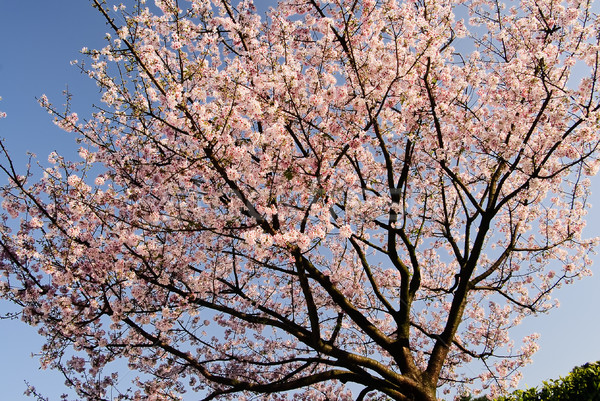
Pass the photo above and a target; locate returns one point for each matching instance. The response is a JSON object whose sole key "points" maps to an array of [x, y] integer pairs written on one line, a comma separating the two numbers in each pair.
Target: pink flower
{"points": [[345, 231]]}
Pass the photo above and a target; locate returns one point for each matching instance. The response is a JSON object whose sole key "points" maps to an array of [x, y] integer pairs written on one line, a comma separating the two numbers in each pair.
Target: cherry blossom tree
{"points": [[353, 199]]}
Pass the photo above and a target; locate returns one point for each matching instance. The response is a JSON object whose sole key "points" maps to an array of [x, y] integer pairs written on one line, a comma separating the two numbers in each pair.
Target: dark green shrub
{"points": [[581, 384]]}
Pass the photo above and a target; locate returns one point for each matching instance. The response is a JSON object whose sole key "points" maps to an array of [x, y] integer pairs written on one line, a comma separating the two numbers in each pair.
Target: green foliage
{"points": [[582, 384]]}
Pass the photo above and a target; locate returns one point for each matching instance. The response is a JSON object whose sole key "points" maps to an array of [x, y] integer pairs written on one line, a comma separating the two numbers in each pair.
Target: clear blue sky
{"points": [[38, 38]]}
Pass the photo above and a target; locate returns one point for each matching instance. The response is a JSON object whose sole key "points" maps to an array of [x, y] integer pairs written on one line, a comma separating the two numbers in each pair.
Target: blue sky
{"points": [[38, 38]]}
